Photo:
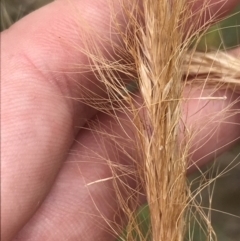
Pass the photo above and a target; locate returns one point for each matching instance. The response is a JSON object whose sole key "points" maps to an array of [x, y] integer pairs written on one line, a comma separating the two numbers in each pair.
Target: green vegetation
{"points": [[223, 35]]}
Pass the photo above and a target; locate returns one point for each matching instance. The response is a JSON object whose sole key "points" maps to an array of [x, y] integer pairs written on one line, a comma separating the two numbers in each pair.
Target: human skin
{"points": [[45, 156]]}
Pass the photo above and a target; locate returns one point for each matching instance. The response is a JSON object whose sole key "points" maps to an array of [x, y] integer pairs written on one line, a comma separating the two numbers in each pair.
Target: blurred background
{"points": [[224, 193]]}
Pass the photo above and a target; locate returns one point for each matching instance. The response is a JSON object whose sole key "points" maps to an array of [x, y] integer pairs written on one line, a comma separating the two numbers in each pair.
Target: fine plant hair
{"points": [[143, 76], [154, 59], [154, 56]]}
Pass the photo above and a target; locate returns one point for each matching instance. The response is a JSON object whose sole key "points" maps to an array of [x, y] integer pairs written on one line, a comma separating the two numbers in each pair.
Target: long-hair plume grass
{"points": [[154, 58]]}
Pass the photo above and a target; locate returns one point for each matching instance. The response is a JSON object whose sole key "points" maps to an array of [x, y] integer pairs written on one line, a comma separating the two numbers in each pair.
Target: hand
{"points": [[46, 160]]}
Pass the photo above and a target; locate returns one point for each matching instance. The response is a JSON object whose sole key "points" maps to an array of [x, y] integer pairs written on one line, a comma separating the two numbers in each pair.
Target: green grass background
{"points": [[226, 197]]}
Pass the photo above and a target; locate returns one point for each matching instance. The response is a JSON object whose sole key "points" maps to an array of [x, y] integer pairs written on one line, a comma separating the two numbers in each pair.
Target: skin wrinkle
{"points": [[41, 155]]}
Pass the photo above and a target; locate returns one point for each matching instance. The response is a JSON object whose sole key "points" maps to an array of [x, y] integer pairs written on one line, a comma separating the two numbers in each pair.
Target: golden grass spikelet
{"points": [[217, 69], [153, 54], [158, 62]]}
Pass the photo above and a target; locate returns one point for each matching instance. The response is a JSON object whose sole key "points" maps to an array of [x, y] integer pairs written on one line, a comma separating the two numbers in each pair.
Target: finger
{"points": [[213, 9], [34, 107], [235, 52], [73, 209], [38, 119]]}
